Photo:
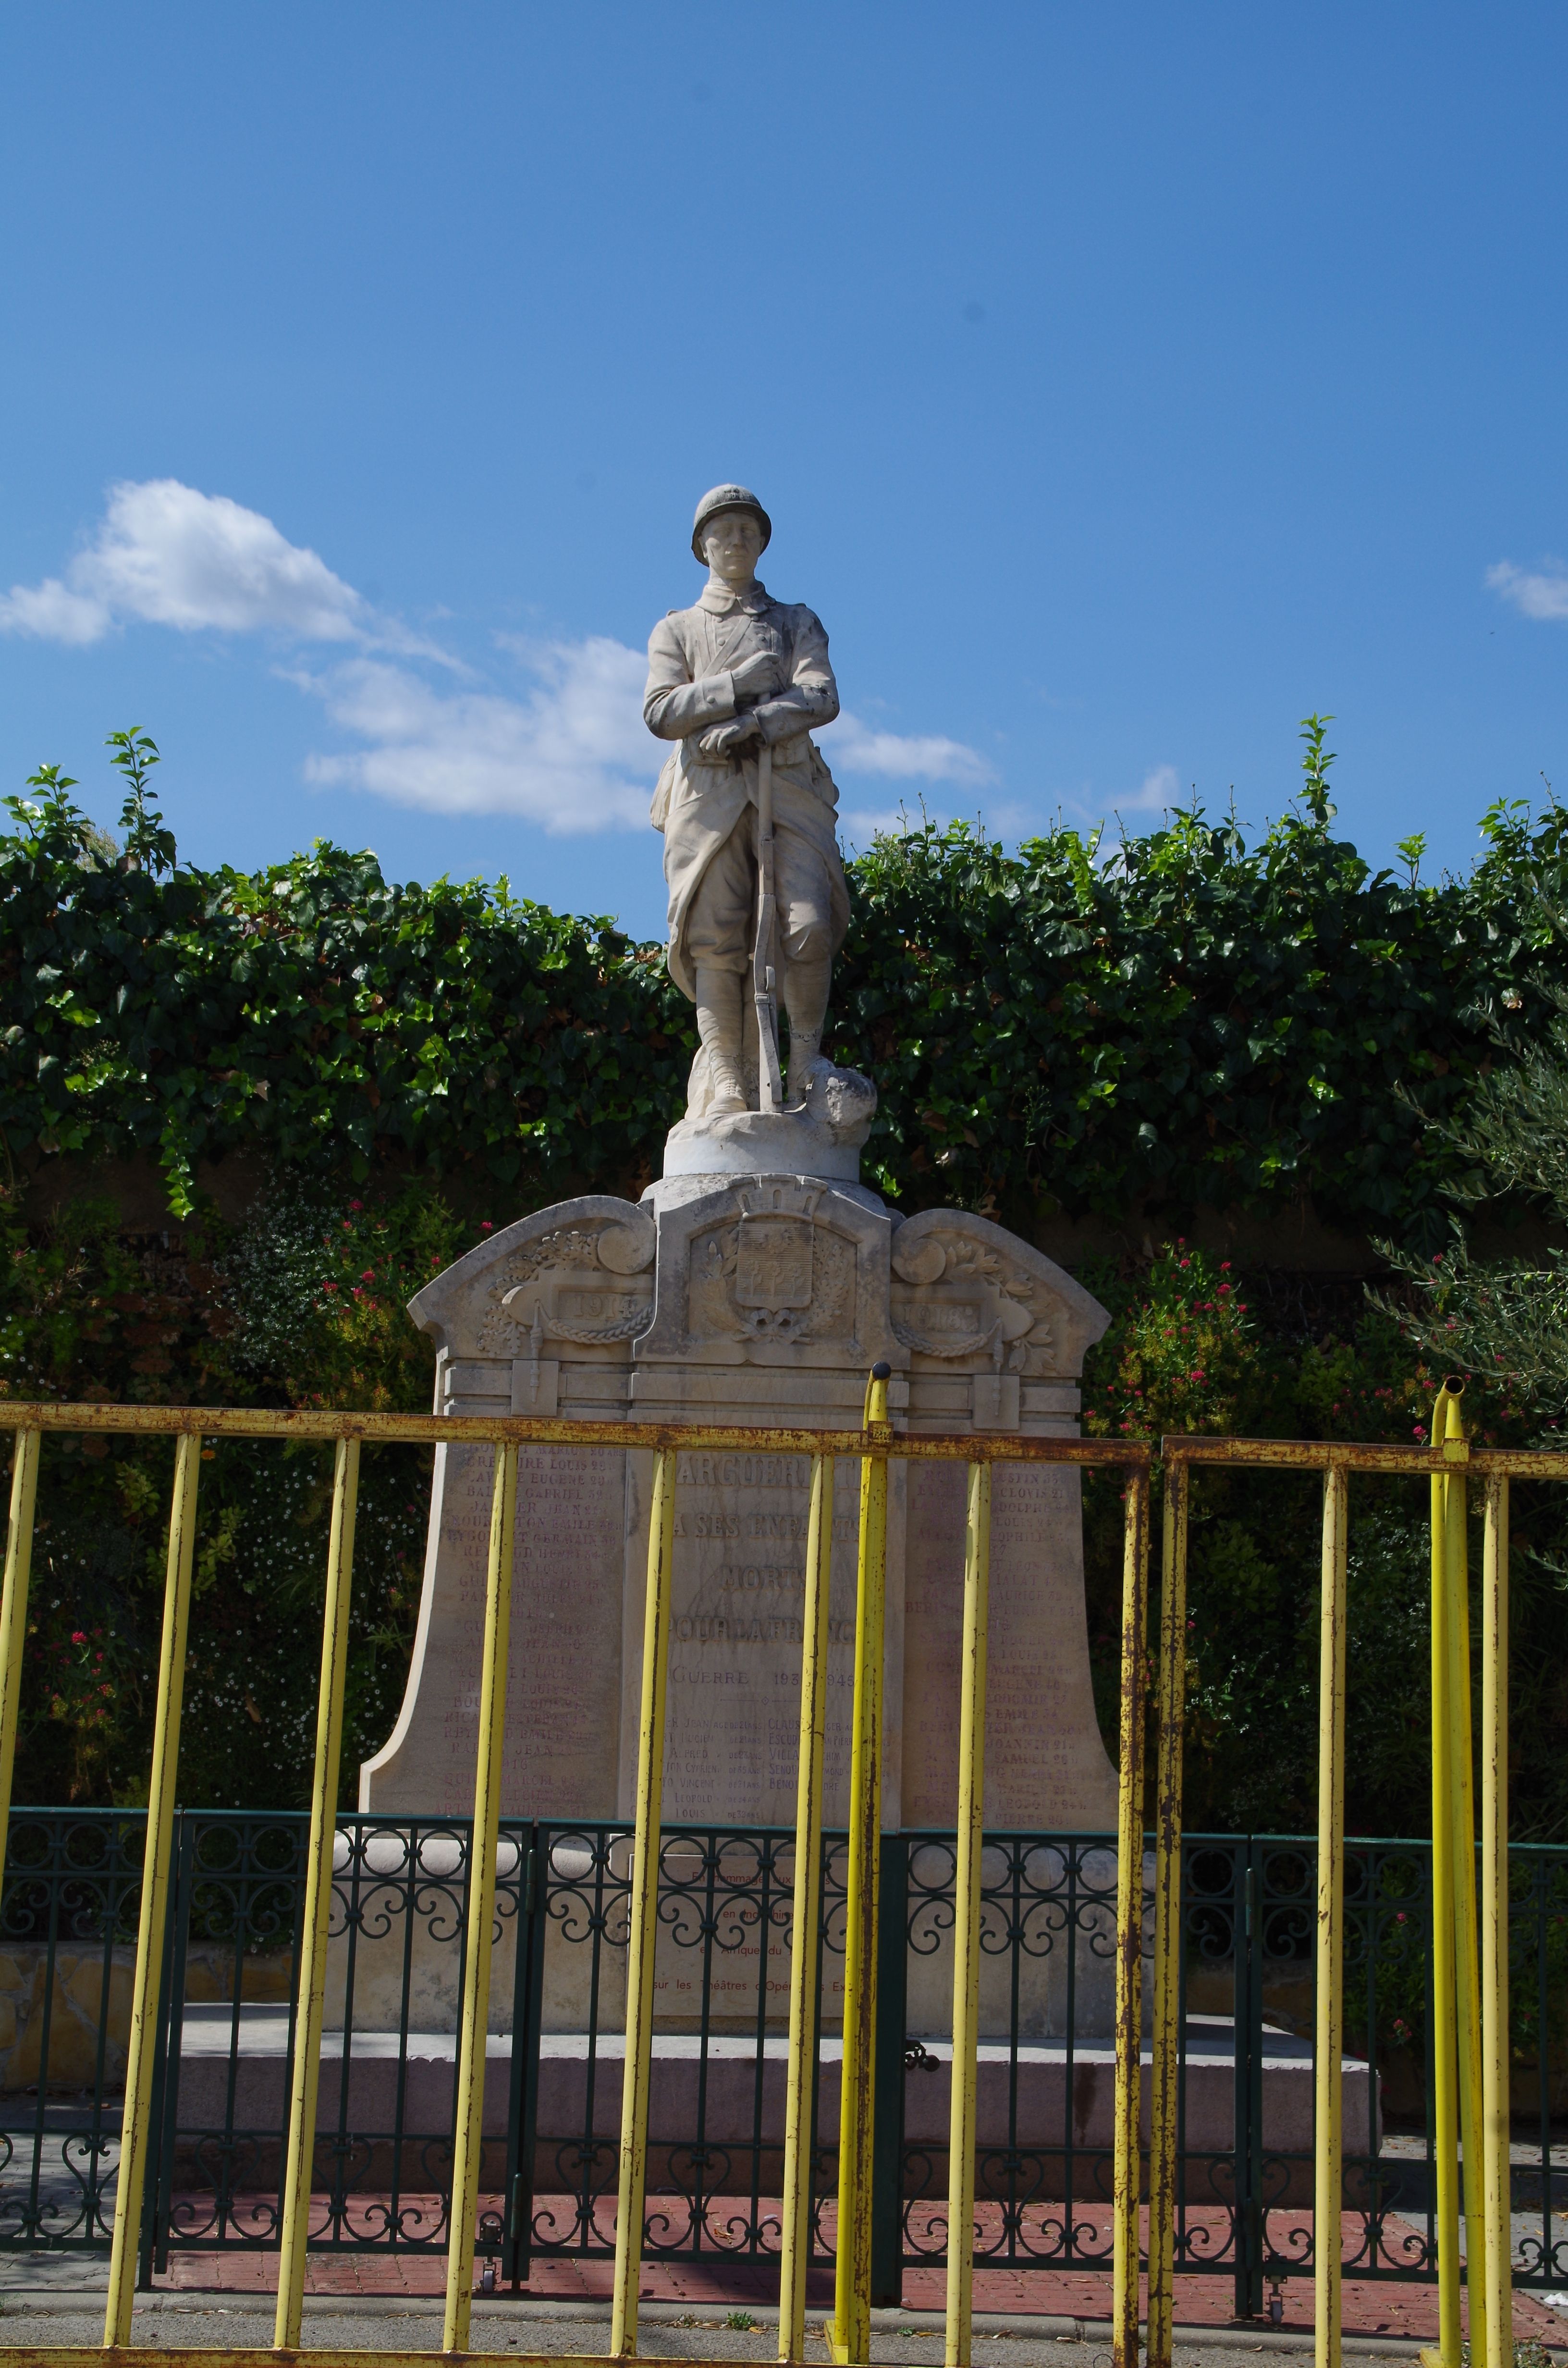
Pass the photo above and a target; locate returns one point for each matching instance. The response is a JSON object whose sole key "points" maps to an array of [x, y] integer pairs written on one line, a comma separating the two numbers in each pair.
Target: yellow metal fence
{"points": [[1470, 2049], [1472, 1955]]}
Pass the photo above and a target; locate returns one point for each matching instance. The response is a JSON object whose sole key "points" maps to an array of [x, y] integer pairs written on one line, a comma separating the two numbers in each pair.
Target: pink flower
{"points": [[485, 1227], [356, 1204]]}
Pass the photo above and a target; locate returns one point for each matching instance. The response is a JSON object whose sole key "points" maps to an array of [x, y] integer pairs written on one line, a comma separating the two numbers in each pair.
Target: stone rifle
{"points": [[770, 1081]]}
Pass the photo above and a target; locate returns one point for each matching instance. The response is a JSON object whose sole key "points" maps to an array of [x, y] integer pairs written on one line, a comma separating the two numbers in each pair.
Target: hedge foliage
{"points": [[1191, 1021], [1188, 1350], [1186, 1021], [302, 1304], [318, 1012]]}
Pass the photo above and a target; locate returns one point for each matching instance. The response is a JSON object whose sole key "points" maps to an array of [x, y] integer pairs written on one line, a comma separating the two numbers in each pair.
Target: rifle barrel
{"points": [[770, 1082]]}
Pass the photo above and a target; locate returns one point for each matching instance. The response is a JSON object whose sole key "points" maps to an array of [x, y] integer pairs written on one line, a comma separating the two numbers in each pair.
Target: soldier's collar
{"points": [[720, 601]]}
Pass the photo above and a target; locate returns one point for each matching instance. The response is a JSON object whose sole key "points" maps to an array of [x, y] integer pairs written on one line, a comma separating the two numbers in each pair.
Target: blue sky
{"points": [[1124, 383]]}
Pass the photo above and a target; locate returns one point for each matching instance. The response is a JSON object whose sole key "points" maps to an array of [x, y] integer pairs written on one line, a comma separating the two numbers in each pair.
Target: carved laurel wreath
{"points": [[594, 1335], [965, 1261], [972, 1345], [505, 1327]]}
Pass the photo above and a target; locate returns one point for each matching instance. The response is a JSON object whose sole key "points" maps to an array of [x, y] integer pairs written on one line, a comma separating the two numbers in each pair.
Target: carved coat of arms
{"points": [[773, 1263], [772, 1275]]}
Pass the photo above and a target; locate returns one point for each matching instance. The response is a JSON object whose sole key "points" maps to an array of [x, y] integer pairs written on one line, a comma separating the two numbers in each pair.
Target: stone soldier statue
{"points": [[738, 671]]}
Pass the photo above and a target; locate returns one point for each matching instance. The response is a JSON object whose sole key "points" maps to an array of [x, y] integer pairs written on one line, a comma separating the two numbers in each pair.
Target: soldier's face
{"points": [[732, 544]]}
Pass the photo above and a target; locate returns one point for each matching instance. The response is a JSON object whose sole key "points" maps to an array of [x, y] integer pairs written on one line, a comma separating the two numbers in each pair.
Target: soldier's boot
{"points": [[805, 999], [718, 1027]]}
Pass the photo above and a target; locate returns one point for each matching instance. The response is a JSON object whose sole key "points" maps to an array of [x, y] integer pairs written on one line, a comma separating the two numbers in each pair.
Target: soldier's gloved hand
{"points": [[723, 737], [754, 678]]}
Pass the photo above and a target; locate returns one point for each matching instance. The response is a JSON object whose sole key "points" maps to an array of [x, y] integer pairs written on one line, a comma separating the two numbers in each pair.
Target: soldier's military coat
{"points": [[692, 654]]}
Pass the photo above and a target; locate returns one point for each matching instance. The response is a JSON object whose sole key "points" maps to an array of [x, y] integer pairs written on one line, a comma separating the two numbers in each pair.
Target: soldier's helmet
{"points": [[728, 498]]}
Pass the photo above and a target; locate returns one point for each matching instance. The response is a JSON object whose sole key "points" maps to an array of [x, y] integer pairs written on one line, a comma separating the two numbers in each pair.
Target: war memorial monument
{"points": [[755, 1281]]}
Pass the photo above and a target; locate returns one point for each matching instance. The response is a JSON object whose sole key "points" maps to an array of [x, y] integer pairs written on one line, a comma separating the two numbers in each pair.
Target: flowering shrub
{"points": [[1184, 1355], [319, 1283], [75, 1675]]}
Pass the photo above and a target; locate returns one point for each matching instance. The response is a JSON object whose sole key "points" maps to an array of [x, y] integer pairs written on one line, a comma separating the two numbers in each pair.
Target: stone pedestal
{"points": [[757, 1300]]}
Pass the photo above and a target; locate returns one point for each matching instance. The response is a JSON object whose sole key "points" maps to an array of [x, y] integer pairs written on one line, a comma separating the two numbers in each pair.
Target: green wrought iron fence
{"points": [[382, 2172]]}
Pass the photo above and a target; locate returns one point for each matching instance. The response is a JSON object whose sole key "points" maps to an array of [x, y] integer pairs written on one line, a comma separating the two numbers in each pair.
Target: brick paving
{"points": [[1370, 2306]]}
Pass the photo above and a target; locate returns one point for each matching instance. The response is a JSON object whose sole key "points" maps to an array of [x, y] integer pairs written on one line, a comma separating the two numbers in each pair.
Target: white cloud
{"points": [[573, 756], [856, 747], [165, 554], [1160, 791], [51, 612], [1543, 595]]}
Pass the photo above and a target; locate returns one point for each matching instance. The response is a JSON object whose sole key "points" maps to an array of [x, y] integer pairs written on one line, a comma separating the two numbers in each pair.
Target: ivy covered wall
{"points": [[1193, 1024]]}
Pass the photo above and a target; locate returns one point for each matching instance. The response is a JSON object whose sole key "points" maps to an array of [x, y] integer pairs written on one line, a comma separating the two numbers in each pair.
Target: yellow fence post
{"points": [[483, 1847], [800, 2075], [300, 2157], [1495, 1919], [967, 1889], [1126, 2182], [1330, 2000], [158, 1850], [484, 1850], [1165, 2067], [13, 1613], [1470, 1937], [637, 2069], [849, 2332], [1467, 1960], [1445, 2051]]}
